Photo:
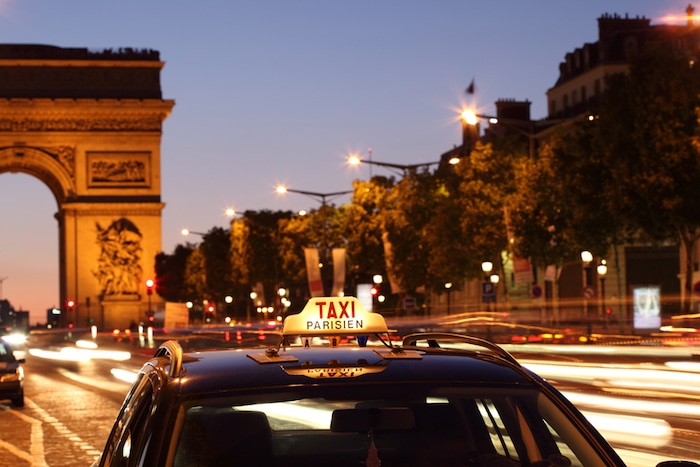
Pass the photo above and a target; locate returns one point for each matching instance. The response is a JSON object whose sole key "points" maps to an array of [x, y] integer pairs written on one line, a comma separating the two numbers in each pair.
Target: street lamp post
{"points": [[495, 279], [185, 232], [322, 197], [251, 303], [602, 270], [448, 287], [586, 259], [469, 117], [487, 268], [404, 168]]}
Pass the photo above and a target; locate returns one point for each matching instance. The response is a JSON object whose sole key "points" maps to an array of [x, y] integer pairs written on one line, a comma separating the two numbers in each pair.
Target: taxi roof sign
{"points": [[324, 316]]}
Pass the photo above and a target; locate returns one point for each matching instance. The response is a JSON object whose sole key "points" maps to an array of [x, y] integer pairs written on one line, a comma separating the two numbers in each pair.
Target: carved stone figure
{"points": [[119, 268]]}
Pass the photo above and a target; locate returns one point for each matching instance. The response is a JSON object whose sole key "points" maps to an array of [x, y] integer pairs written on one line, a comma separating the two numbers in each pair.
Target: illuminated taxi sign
{"points": [[323, 316]]}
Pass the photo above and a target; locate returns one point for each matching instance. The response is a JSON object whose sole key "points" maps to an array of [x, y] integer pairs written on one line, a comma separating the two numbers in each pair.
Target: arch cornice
{"points": [[20, 114]]}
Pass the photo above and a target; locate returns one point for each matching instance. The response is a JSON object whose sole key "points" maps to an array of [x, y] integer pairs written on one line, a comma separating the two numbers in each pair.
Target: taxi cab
{"points": [[339, 391]]}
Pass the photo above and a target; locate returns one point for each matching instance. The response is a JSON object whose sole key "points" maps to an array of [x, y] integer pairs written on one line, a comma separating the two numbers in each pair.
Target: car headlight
{"points": [[15, 339], [10, 377]]}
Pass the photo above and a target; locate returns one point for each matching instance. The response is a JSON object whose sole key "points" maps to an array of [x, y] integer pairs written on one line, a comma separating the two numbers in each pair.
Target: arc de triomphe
{"points": [[88, 124]]}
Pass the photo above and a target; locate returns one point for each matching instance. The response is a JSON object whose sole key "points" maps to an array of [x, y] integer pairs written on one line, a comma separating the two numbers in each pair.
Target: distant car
{"points": [[11, 376], [337, 391]]}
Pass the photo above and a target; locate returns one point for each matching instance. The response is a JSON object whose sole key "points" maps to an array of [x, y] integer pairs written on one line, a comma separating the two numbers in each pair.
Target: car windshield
{"points": [[6, 354], [447, 426]]}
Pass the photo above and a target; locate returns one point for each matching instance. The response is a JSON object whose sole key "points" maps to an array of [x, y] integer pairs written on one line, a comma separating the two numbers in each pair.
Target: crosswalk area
{"points": [[31, 437]]}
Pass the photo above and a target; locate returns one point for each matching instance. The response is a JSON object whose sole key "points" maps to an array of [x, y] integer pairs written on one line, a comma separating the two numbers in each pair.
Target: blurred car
{"points": [[17, 342], [11, 376], [337, 391]]}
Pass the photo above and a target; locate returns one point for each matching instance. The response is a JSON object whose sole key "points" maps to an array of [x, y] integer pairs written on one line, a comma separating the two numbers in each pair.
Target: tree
{"points": [[648, 134], [449, 260], [562, 205], [406, 213], [240, 254], [170, 273], [363, 229], [487, 184], [265, 258], [295, 235], [538, 211], [216, 249], [196, 276]]}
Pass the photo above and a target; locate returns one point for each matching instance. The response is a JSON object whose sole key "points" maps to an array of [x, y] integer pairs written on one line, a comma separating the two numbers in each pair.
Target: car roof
{"points": [[359, 361], [210, 371]]}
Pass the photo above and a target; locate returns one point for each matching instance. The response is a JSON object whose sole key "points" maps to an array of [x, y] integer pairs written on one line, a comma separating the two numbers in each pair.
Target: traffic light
{"points": [[70, 306], [150, 314], [209, 313], [374, 290]]}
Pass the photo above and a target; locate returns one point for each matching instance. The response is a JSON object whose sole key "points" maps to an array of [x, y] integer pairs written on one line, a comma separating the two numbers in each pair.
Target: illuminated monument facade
{"points": [[88, 124]]}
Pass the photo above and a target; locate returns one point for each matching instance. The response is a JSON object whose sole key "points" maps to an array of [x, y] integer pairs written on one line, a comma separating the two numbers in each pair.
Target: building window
{"points": [[631, 46]]}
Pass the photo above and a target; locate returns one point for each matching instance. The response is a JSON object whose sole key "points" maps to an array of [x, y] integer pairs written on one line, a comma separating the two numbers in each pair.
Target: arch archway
{"points": [[89, 125]]}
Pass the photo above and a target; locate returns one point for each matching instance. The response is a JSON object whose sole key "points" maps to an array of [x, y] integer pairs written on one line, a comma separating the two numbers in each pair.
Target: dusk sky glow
{"points": [[282, 91]]}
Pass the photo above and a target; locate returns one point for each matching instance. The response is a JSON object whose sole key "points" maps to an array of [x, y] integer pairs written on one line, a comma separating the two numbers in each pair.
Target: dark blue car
{"points": [[11, 376], [337, 391]]}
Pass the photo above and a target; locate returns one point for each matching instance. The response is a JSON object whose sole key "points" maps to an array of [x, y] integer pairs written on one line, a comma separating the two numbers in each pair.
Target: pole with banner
{"points": [[313, 272]]}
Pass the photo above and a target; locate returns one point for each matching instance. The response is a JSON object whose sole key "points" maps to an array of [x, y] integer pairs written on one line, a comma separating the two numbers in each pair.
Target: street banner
{"points": [[177, 316], [388, 256], [338, 272], [551, 273], [313, 272], [522, 270]]}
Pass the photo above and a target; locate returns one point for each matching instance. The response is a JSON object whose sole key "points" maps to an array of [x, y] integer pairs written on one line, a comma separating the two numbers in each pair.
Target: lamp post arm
{"points": [[321, 196], [186, 232], [398, 166]]}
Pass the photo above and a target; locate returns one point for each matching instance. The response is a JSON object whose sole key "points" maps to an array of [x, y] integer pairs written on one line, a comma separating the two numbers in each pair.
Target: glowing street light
{"points": [[586, 259], [471, 119], [487, 269], [281, 189], [602, 270], [231, 212], [356, 160], [322, 197], [185, 232]]}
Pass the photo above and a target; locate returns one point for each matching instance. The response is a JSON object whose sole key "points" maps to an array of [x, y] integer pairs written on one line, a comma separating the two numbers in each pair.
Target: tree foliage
{"points": [[648, 134], [406, 213], [216, 249], [363, 229], [196, 276], [487, 184], [170, 274]]}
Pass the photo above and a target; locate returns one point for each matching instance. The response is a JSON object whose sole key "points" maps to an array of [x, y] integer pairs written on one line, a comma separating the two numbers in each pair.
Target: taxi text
{"points": [[335, 316]]}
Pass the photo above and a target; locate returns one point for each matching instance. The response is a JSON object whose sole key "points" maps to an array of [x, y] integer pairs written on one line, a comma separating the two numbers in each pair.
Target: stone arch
{"points": [[89, 125], [43, 164]]}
